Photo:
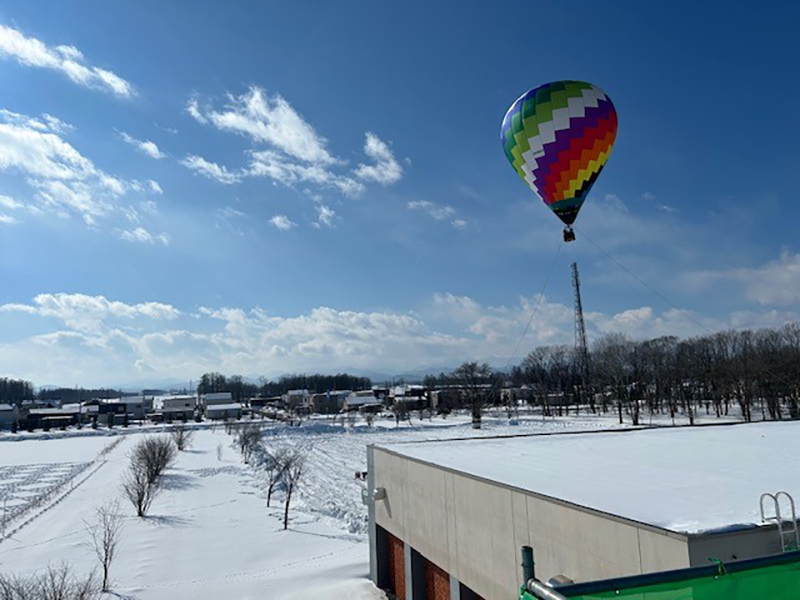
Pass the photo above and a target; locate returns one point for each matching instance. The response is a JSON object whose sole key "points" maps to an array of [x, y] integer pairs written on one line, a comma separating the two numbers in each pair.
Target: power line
{"points": [[647, 285], [536, 306]]}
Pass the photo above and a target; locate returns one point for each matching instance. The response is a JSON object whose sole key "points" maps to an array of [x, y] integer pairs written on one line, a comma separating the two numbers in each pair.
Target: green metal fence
{"points": [[772, 578]]}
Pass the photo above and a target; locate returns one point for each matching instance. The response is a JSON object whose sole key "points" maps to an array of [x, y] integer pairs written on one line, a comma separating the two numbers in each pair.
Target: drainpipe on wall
{"points": [[373, 542]]}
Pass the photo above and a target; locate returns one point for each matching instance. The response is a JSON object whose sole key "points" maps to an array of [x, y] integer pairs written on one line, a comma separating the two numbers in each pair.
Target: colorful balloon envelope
{"points": [[558, 137]]}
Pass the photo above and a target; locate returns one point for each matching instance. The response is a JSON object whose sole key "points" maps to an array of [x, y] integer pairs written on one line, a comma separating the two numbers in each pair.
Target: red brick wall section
{"points": [[397, 567], [437, 582]]}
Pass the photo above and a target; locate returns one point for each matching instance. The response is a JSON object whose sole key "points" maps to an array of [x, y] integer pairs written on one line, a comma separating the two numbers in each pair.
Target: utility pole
{"points": [[580, 336]]}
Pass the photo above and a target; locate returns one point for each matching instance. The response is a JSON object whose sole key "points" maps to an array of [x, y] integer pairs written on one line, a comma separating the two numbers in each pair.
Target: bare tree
{"points": [[154, 454], [274, 463], [104, 534], [473, 378], [400, 411], [293, 474], [369, 417], [55, 583], [248, 437], [138, 488], [182, 437]]}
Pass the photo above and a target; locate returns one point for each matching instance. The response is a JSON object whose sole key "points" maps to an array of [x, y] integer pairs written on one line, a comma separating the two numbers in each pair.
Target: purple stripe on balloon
{"points": [[577, 126]]}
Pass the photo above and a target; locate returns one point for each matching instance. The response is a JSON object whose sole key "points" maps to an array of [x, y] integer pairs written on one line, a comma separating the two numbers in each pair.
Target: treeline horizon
{"points": [[755, 370]]}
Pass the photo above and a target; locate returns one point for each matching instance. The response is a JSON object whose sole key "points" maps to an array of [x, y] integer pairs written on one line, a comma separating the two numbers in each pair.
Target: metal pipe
{"points": [[540, 590], [528, 572]]}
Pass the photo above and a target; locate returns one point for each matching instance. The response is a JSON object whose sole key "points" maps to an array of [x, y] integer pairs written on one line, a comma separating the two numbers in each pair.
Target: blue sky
{"points": [[260, 189]]}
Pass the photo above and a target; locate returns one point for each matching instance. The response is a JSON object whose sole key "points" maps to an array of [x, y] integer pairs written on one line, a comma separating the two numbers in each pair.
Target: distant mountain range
{"points": [[378, 377]]}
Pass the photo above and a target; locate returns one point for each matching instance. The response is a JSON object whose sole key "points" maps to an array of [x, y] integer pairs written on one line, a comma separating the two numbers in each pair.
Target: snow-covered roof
{"points": [[6, 407], [682, 479], [353, 400], [233, 406], [218, 396]]}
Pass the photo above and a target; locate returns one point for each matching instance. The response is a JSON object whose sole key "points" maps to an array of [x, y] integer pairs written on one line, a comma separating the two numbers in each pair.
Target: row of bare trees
{"points": [[284, 465], [756, 371]]}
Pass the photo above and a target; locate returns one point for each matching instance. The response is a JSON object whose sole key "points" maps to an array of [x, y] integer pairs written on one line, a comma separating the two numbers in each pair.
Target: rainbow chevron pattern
{"points": [[558, 137]]}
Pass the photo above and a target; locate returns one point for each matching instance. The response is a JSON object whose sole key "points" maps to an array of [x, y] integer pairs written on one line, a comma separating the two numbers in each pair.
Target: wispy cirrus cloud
{"points": [[385, 170], [290, 151], [326, 216], [438, 212], [142, 236], [144, 146], [65, 59], [775, 283], [63, 181], [211, 170]]}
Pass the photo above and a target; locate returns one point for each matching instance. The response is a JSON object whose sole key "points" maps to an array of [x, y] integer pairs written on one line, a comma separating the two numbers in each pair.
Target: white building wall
{"points": [[474, 529]]}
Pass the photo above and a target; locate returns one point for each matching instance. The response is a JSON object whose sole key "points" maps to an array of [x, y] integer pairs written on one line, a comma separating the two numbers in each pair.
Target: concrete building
{"points": [[223, 411], [364, 401], [297, 400], [448, 519], [9, 413], [178, 407], [216, 398], [329, 403]]}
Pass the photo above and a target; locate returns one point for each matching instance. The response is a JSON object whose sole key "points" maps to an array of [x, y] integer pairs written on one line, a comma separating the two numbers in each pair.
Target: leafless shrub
{"points": [[104, 534], [55, 583], [369, 418], [138, 488], [182, 437], [154, 454]]}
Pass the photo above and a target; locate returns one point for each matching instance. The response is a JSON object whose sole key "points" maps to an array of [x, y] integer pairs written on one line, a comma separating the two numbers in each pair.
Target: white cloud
{"points": [[291, 151], [146, 147], [386, 169], [141, 235], [775, 283], [8, 219], [282, 222], [154, 187], [69, 60], [45, 123], [193, 108], [438, 212], [616, 202], [9, 203], [325, 215], [272, 120], [210, 169], [100, 341], [268, 163]]}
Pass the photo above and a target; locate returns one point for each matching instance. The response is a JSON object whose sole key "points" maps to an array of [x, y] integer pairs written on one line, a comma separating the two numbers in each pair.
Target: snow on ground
{"points": [[682, 479], [210, 534]]}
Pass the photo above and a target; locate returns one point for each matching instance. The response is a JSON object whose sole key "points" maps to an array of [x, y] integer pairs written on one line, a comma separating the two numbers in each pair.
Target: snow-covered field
{"points": [[210, 534]]}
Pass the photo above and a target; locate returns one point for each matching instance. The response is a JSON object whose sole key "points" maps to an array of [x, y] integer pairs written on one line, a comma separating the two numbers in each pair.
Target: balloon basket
{"points": [[569, 234]]}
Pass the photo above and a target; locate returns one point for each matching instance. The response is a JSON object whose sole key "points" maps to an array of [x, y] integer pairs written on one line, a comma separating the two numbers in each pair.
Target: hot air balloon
{"points": [[558, 137]]}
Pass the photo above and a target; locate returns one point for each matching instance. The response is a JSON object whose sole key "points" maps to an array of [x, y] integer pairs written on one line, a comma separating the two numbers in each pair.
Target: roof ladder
{"points": [[787, 529]]}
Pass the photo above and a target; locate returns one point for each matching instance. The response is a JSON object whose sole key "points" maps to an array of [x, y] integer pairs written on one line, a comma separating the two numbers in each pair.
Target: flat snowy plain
{"points": [[210, 534]]}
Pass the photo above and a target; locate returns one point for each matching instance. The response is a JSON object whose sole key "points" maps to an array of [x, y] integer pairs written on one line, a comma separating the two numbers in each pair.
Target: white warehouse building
{"points": [[448, 519]]}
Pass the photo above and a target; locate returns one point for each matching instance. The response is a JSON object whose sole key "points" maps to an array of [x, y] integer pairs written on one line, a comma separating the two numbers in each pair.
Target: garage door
{"points": [[397, 567], [437, 582]]}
